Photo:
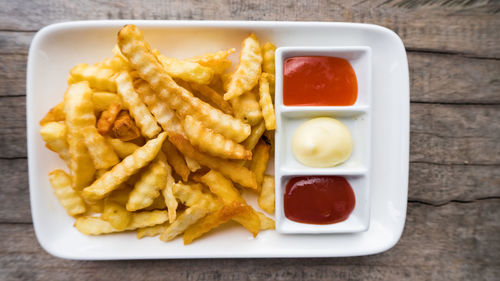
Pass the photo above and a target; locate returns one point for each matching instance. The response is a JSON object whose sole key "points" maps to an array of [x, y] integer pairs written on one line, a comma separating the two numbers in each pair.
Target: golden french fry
{"points": [[260, 160], [94, 207], [211, 142], [123, 149], [210, 96], [265, 222], [175, 159], [55, 114], [168, 195], [266, 103], [132, 44], [67, 196], [131, 100], [117, 216], [192, 194], [148, 187], [192, 165], [164, 115], [187, 218], [54, 134], [151, 231], [158, 204], [103, 100], [99, 77], [123, 170], [213, 220], [116, 63], [186, 70], [100, 151], [246, 107], [124, 127], [248, 71], [79, 114], [120, 195], [233, 170], [107, 118], [254, 137], [268, 51], [225, 190], [266, 196], [97, 226], [217, 61]]}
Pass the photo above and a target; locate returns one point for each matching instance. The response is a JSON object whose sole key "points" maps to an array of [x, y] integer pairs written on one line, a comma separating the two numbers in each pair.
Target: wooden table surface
{"points": [[452, 228]]}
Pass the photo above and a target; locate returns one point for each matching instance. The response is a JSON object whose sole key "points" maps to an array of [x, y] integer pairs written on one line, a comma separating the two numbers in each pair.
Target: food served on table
{"points": [[165, 145]]}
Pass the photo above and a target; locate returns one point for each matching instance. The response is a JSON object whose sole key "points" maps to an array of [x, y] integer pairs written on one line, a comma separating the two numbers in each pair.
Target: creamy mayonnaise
{"points": [[322, 142]]}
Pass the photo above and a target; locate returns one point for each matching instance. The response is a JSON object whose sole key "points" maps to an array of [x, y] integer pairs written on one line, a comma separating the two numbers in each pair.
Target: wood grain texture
{"points": [[461, 231], [452, 26]]}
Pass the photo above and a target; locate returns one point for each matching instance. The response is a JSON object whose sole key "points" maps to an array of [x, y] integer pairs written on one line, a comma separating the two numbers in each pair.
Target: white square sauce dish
{"points": [[379, 122]]}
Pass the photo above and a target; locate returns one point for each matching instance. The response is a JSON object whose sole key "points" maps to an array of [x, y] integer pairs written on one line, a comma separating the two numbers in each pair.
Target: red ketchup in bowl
{"points": [[318, 199]]}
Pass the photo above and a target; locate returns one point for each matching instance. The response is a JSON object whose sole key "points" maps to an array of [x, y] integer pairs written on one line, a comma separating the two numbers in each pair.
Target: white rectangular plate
{"points": [[57, 48]]}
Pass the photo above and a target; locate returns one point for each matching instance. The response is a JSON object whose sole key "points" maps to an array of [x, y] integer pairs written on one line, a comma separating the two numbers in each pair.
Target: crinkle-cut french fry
{"points": [[192, 194], [55, 114], [176, 160], [115, 63], [168, 195], [158, 204], [116, 215], [100, 172], [193, 166], [224, 189], [97, 226], [79, 114], [260, 160], [151, 231], [268, 51], [131, 100], [210, 96], [257, 132], [107, 118], [103, 100], [99, 77], [54, 134], [138, 52], [122, 148], [213, 143], [248, 70], [67, 196], [266, 103], [124, 127], [213, 220], [120, 195], [94, 206], [266, 196], [233, 170], [265, 222], [186, 70], [246, 107], [217, 61], [100, 151], [183, 221], [164, 115], [123, 170], [116, 51], [148, 187]]}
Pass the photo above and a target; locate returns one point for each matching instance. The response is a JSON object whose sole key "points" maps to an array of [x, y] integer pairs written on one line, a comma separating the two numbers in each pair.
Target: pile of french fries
{"points": [[164, 146]]}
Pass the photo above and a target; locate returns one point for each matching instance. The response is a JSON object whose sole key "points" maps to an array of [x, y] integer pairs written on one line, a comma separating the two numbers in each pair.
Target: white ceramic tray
{"points": [[56, 48]]}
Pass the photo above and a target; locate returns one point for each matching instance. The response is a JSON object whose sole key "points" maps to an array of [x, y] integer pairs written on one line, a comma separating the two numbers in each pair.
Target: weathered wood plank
{"points": [[455, 134], [453, 242], [456, 26], [431, 183], [14, 191], [453, 79], [15, 42], [12, 74], [12, 127], [438, 184]]}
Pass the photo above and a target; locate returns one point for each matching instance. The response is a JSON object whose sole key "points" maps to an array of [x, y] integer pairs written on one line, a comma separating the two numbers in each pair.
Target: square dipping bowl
{"points": [[357, 117]]}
